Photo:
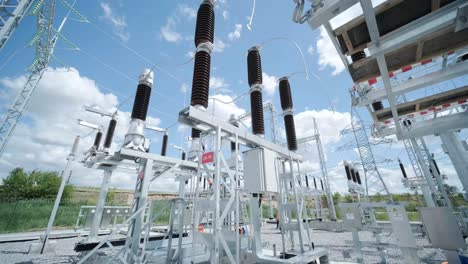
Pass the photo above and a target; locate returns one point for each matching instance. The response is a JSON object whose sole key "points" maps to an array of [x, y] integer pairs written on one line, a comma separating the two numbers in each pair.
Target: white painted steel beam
{"points": [[433, 126], [417, 29], [448, 73]]}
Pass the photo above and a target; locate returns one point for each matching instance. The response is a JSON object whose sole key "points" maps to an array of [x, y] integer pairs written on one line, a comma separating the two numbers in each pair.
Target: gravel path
{"points": [[338, 245]]}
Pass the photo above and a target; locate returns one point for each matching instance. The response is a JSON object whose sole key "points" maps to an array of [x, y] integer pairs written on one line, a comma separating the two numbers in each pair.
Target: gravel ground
{"points": [[338, 245]]}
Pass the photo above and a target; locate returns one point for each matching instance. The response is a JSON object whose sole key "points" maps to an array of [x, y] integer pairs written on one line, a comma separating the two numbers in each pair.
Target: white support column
{"points": [[94, 231], [141, 196], [65, 177], [458, 155]]}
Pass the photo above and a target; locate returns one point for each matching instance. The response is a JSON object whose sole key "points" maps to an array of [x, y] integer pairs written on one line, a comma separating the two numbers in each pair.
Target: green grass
{"points": [[29, 215], [33, 215]]}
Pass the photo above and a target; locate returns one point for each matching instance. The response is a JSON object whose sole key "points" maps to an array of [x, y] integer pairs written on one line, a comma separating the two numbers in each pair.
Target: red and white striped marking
{"points": [[402, 69], [429, 111]]}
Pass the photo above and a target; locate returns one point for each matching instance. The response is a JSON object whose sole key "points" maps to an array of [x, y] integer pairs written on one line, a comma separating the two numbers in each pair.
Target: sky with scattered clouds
{"points": [[124, 37]]}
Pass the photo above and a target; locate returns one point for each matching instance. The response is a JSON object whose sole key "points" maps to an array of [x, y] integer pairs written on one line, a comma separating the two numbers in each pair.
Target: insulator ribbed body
{"points": [[97, 139], [195, 133], [164, 145], [256, 107], [403, 171], [204, 30], [110, 133], [358, 56], [353, 174], [321, 184], [348, 172], [358, 178], [307, 181], [315, 183], [183, 155], [290, 132], [285, 94], [254, 67], [376, 106], [201, 79], [142, 98]]}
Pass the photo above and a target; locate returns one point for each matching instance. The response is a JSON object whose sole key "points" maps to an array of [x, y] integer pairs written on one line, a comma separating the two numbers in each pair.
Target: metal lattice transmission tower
{"points": [[44, 41], [373, 179], [11, 14]]}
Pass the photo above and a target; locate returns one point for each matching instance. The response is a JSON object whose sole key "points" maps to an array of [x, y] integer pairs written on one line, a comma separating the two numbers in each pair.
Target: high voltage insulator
{"points": [[290, 132], [254, 66], [307, 181], [285, 94], [183, 155], [204, 30], [201, 79], [402, 168], [135, 136], [97, 139], [164, 144], [347, 170], [315, 184], [376, 106], [353, 174], [254, 69], [287, 106], [256, 106], [141, 103], [358, 177], [358, 56], [110, 133], [204, 37], [321, 184]]}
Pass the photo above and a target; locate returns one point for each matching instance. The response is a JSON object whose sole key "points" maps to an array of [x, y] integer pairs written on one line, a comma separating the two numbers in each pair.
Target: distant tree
{"points": [[337, 197], [37, 184]]}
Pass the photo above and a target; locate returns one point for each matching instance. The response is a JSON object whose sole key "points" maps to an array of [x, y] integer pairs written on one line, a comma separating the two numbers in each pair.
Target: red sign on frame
{"points": [[207, 157]]}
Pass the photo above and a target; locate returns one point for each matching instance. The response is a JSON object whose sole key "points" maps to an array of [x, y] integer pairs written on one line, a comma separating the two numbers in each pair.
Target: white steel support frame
{"points": [[323, 168], [139, 206], [65, 177], [101, 203], [458, 155], [222, 205], [11, 14], [225, 192]]}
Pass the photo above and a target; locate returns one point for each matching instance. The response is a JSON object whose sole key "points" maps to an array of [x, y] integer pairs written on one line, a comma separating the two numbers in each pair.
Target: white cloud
{"points": [[43, 137], [217, 82], [119, 23], [328, 56], [329, 123], [270, 83], [219, 46], [236, 34], [311, 50], [186, 11], [168, 32], [225, 14]]}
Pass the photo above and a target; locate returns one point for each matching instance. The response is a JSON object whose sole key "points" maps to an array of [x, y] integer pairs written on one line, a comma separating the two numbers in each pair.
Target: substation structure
{"points": [[391, 50], [217, 215]]}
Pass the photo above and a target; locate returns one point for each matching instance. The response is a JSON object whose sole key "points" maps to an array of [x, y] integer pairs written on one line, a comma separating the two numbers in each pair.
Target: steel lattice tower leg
{"points": [[373, 179]]}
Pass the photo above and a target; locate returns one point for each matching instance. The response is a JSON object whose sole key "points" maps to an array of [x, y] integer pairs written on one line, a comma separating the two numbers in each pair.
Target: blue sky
{"points": [[123, 37]]}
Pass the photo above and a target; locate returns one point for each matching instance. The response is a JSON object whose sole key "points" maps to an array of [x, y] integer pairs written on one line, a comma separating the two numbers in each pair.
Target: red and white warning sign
{"points": [[207, 157]]}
